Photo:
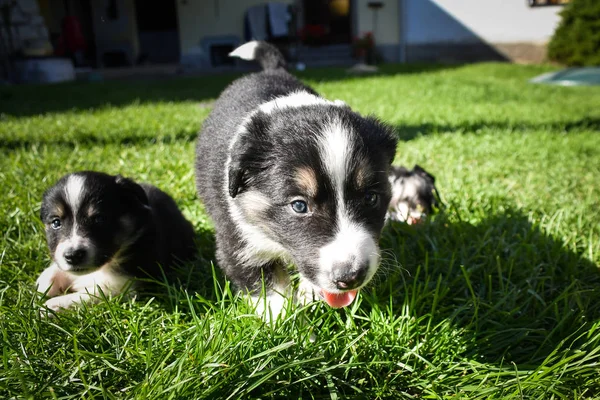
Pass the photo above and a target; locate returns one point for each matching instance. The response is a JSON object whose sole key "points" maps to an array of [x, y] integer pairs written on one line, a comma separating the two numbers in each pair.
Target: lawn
{"points": [[497, 296]]}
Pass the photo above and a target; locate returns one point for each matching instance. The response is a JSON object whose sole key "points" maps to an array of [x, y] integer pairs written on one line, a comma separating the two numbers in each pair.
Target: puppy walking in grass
{"points": [[290, 178], [103, 231]]}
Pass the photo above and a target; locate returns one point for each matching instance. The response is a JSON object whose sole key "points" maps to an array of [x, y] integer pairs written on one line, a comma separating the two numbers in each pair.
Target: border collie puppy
{"points": [[413, 195], [292, 179], [103, 231]]}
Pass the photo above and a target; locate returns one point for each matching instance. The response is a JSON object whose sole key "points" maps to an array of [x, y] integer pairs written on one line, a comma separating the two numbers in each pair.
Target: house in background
{"points": [[200, 33], [404, 30], [472, 30]]}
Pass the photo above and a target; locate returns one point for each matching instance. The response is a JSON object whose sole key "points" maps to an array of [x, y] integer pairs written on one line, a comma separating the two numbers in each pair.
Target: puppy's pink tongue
{"points": [[337, 300]]}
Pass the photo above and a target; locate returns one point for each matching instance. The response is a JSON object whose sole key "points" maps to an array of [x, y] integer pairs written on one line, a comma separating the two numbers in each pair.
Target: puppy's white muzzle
{"points": [[349, 261], [74, 254]]}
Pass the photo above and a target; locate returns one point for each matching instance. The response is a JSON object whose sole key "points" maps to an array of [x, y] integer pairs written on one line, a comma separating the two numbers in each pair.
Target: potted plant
{"points": [[363, 48]]}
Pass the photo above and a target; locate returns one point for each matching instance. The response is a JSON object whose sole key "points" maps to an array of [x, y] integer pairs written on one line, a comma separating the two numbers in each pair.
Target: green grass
{"points": [[498, 296]]}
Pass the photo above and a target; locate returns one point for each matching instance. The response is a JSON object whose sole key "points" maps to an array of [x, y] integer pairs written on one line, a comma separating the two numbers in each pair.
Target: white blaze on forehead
{"points": [[296, 99], [74, 192], [260, 246], [300, 98], [335, 149], [353, 245]]}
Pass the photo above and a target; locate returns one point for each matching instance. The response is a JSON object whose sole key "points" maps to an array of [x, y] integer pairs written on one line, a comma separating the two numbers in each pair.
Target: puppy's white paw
{"points": [[306, 293], [46, 279], [51, 307], [270, 308], [53, 281], [59, 303]]}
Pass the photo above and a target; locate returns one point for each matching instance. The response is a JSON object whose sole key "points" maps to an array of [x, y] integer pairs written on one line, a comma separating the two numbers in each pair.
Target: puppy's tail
{"points": [[267, 55]]}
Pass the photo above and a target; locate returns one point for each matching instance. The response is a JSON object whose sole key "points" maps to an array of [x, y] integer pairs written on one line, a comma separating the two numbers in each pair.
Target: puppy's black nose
{"points": [[75, 256], [347, 277]]}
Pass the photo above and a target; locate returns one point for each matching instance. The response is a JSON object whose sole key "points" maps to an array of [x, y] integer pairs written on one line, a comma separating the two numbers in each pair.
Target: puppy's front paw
{"points": [[306, 293], [51, 307], [59, 303], [53, 281], [46, 280]]}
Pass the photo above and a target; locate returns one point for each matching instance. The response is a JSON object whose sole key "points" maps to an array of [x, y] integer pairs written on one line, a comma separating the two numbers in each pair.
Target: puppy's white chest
{"points": [[55, 282], [105, 278], [63, 281]]}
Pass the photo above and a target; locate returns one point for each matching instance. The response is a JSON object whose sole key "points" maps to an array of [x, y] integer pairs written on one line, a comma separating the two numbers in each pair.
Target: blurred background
{"points": [[52, 40]]}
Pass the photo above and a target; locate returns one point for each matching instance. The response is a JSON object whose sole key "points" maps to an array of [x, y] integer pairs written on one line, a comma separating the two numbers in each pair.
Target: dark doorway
{"points": [[71, 30], [158, 31], [326, 22]]}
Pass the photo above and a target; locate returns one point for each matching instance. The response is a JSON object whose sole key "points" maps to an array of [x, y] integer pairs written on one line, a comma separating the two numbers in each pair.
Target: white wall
{"points": [[493, 21], [116, 34], [200, 18]]}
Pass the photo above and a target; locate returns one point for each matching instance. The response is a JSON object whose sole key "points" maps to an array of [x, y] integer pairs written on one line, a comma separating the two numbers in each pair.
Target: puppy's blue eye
{"points": [[299, 206], [371, 199], [55, 224]]}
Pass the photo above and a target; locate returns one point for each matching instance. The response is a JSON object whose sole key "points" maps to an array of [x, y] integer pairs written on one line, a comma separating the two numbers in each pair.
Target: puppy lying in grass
{"points": [[414, 195], [103, 231]]}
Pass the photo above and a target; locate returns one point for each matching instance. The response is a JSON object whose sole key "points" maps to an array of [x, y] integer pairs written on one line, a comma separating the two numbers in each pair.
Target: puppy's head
{"points": [[309, 184], [413, 194], [90, 216]]}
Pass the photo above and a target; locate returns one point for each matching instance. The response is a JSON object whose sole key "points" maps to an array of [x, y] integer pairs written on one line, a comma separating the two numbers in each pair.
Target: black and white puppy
{"points": [[414, 195], [292, 179], [103, 231]]}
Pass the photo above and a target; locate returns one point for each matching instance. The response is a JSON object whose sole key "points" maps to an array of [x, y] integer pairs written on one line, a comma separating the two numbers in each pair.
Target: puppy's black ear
{"points": [[133, 193], [384, 136], [399, 171], [43, 208], [236, 174], [436, 199], [389, 145], [421, 172], [50, 195], [248, 153]]}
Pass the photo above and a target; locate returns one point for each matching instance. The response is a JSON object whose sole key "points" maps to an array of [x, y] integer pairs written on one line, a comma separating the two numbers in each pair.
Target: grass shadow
{"points": [[519, 292], [408, 132], [30, 100], [84, 139], [199, 278]]}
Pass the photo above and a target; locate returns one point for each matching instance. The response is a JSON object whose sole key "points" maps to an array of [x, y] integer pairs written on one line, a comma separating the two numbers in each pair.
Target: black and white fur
{"points": [[103, 231], [414, 195], [272, 146]]}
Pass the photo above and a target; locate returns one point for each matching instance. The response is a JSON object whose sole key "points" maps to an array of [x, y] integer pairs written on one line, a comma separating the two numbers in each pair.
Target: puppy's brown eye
{"points": [[55, 223], [371, 199]]}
